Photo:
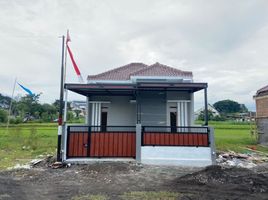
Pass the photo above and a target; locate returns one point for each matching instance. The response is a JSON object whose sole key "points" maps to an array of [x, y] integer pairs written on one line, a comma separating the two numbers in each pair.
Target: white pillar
{"points": [[186, 114], [92, 114]]}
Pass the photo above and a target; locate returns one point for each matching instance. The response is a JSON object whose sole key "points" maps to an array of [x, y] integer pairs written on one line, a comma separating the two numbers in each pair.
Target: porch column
{"points": [[212, 145], [192, 110], [206, 107], [182, 112], [87, 112], [138, 142], [138, 108], [96, 114]]}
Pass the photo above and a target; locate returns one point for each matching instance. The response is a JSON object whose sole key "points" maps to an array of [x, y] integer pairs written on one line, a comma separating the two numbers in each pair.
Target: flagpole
{"points": [[60, 128], [64, 80], [65, 61], [10, 105]]}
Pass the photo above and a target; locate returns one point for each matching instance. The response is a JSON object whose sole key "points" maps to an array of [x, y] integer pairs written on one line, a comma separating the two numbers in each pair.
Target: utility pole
{"points": [[60, 127]]}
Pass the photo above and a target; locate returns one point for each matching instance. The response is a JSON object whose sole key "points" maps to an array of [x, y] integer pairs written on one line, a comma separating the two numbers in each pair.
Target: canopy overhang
{"points": [[105, 89]]}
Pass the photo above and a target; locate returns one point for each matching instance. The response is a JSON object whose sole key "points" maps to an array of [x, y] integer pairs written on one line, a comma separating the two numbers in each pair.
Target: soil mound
{"points": [[110, 167], [234, 177]]}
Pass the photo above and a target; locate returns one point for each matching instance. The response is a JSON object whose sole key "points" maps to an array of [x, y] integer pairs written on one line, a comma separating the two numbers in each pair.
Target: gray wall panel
{"points": [[153, 108]]}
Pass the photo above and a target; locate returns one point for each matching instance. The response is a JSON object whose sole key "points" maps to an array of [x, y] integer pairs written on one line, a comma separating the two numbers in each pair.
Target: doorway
{"points": [[173, 121], [104, 115]]}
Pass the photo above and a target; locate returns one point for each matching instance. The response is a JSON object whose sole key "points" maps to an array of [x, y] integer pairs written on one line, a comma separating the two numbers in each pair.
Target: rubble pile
{"points": [[244, 160], [229, 177]]}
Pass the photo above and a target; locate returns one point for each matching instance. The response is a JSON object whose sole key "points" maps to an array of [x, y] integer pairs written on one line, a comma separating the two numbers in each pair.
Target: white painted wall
{"points": [[120, 111], [180, 156]]}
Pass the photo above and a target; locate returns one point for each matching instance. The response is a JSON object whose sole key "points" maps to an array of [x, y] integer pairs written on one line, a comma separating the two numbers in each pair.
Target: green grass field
{"points": [[21, 143], [27, 141]]}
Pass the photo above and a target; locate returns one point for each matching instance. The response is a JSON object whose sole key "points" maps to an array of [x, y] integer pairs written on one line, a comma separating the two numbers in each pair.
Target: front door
{"points": [[173, 121], [103, 121]]}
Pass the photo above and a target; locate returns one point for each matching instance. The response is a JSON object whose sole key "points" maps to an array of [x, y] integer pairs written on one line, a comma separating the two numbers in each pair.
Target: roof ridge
{"points": [[172, 68], [117, 69], [161, 65]]}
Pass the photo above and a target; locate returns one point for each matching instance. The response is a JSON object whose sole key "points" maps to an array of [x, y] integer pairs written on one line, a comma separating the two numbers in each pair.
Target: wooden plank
{"points": [[116, 144], [128, 150], [106, 144], [120, 145], [133, 146], [85, 145], [101, 144], [200, 140], [124, 147], [205, 136], [70, 146], [190, 139], [80, 144], [110, 145], [92, 144]]}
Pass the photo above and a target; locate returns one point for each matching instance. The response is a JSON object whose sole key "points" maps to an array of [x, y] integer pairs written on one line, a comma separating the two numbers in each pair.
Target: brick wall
{"points": [[262, 106]]}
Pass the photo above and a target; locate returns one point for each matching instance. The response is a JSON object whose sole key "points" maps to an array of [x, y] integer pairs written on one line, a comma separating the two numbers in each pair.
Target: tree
{"points": [[49, 112], [28, 106], [4, 101], [201, 116], [3, 116], [229, 106], [57, 105]]}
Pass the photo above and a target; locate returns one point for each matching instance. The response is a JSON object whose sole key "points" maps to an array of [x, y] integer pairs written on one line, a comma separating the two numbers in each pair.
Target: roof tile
{"points": [[120, 73], [139, 69], [158, 69]]}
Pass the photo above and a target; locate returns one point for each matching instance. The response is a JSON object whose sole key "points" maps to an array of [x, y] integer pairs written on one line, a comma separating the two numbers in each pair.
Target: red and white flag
{"points": [[77, 71]]}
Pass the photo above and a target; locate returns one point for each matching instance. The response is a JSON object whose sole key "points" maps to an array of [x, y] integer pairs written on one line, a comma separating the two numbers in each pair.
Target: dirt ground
{"points": [[113, 179]]}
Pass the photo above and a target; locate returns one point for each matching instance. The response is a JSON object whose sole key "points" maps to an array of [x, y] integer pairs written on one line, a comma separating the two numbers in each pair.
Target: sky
{"points": [[224, 43]]}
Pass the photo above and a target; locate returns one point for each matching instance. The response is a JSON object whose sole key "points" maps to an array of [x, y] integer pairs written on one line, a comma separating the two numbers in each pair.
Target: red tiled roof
{"points": [[158, 69], [139, 69], [262, 91], [120, 73]]}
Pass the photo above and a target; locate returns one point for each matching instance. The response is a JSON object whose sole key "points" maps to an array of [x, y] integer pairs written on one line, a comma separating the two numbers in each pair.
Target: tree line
{"points": [[227, 109], [28, 108]]}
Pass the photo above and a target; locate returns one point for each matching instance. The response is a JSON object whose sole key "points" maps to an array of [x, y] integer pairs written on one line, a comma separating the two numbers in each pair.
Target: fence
{"points": [[98, 141], [120, 141], [175, 136]]}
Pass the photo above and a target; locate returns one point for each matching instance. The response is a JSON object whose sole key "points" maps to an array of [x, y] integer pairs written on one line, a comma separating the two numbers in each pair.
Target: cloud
{"points": [[224, 43]]}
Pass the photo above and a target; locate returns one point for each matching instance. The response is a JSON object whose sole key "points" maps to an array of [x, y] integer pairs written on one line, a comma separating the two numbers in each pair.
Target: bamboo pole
{"points": [[10, 105]]}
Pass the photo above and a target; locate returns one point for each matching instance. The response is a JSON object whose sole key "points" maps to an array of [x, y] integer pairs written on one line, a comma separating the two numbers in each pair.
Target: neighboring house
{"points": [[261, 99], [243, 117], [139, 111], [210, 108], [79, 106]]}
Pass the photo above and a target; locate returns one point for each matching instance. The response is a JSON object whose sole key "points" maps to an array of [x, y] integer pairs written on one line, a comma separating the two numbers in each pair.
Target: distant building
{"points": [[261, 99], [79, 106], [210, 108]]}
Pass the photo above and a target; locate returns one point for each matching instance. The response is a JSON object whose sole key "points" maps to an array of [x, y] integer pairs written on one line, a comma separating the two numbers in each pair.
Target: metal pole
{"points": [[60, 129], [65, 106], [10, 105], [64, 80], [206, 107], [65, 60]]}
